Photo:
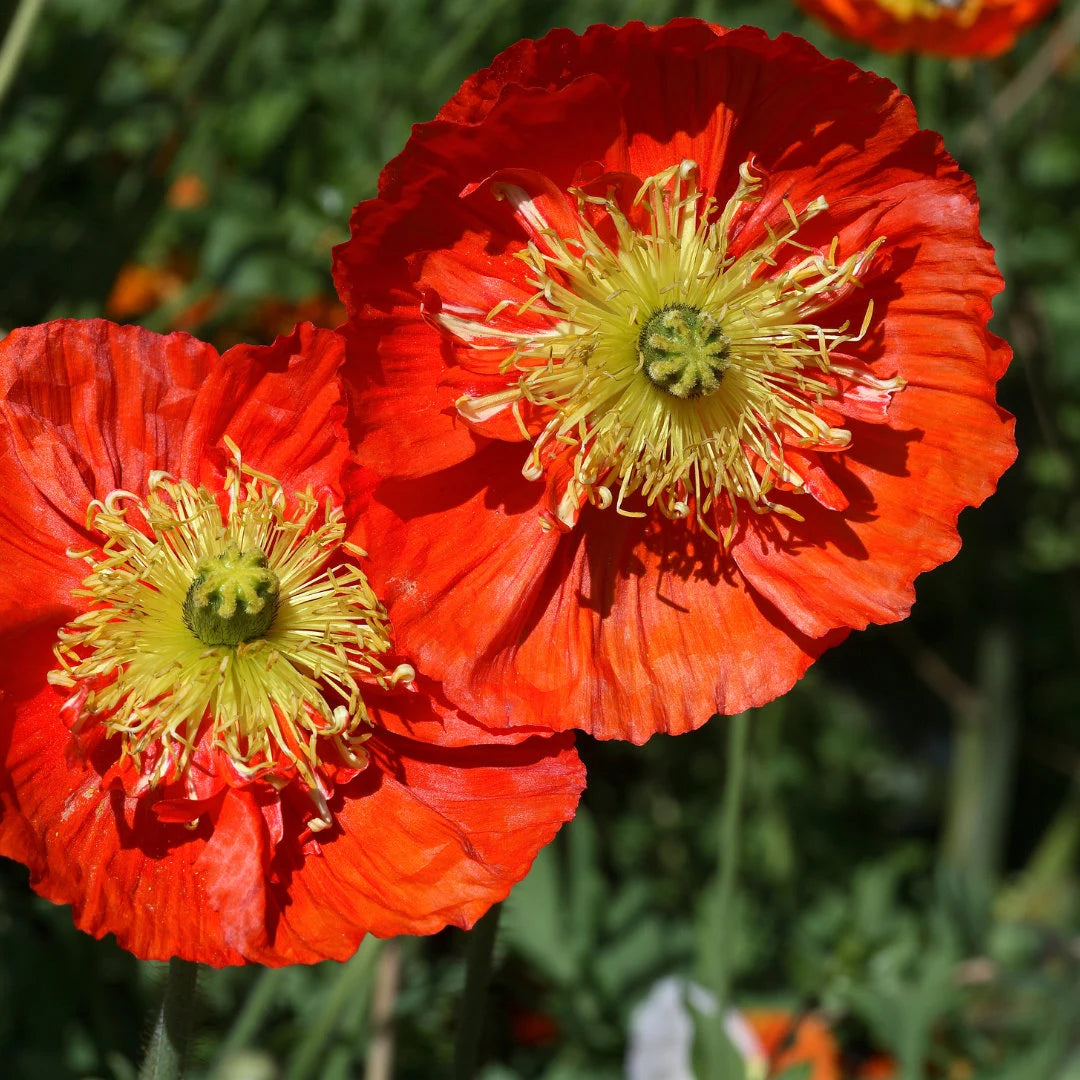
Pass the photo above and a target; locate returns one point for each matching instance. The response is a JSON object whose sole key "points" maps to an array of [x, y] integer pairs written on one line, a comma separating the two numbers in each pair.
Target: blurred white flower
{"points": [[662, 1033]]}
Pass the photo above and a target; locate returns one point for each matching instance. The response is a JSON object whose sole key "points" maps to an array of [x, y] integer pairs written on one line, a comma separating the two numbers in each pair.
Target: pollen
{"points": [[237, 621], [666, 368]]}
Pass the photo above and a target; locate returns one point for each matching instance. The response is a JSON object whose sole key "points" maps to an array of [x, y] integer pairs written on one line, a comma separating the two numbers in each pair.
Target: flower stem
{"points": [[15, 41], [720, 1059], [481, 948], [259, 1001], [911, 77], [980, 782], [350, 989], [167, 1053], [380, 1055]]}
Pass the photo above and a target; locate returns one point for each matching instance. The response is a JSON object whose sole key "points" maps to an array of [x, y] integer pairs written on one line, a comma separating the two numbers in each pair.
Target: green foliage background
{"points": [[910, 849]]}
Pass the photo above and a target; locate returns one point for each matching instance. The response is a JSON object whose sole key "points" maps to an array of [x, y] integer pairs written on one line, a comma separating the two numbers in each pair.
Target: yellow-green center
{"points": [[684, 351], [249, 633], [232, 598], [736, 349]]}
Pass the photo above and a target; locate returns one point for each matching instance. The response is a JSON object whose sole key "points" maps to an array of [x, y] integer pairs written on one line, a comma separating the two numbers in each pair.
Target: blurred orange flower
{"points": [[187, 192], [790, 1039], [939, 27], [878, 1068], [275, 316], [139, 288]]}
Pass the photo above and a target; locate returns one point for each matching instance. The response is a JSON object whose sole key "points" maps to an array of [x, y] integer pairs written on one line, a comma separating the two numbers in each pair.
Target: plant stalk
{"points": [[380, 1055], [721, 1061], [15, 41], [166, 1056], [481, 948], [980, 784], [350, 989]]}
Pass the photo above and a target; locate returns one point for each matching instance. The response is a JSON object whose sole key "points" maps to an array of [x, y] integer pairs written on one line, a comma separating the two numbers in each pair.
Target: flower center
{"points": [[232, 598], [684, 351], [964, 10], [234, 623], [738, 354]]}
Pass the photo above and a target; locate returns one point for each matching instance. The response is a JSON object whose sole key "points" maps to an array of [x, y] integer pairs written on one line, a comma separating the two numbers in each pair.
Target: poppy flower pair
{"points": [[666, 366]]}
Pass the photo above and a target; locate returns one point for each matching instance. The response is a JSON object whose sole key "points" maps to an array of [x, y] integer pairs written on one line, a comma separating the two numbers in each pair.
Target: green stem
{"points": [[166, 1056], [911, 77], [721, 1061], [481, 948], [380, 1054], [15, 41], [351, 988], [980, 784], [250, 1018]]}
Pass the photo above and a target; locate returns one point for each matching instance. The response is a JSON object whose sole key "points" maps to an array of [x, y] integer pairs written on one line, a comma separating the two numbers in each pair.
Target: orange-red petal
{"points": [[992, 30], [423, 837], [592, 626], [224, 871]]}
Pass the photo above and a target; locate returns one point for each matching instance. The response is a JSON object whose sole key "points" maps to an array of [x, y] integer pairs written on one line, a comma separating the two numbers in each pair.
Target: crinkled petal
{"points": [[616, 628], [85, 407], [423, 837], [444, 835], [281, 404], [907, 484]]}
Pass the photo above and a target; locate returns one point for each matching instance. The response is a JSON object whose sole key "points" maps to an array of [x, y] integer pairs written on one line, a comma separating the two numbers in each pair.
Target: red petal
{"points": [[423, 714], [907, 488], [121, 870], [233, 868], [612, 628], [85, 407], [443, 836], [424, 837], [281, 404], [88, 406]]}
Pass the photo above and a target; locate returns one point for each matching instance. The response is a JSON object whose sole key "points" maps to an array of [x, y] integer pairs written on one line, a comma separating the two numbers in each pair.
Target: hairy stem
{"points": [[166, 1055]]}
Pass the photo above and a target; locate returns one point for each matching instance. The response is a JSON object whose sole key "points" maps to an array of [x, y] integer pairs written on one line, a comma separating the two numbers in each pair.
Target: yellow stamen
{"points": [[274, 703], [671, 369], [964, 10]]}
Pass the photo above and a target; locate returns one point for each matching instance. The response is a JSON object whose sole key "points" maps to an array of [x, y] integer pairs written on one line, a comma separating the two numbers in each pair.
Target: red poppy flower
{"points": [[938, 27], [671, 346], [205, 746]]}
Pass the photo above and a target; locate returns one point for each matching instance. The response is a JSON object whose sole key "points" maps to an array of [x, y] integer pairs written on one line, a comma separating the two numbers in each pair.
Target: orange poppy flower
{"points": [[207, 746], [939, 27], [789, 1040], [671, 345]]}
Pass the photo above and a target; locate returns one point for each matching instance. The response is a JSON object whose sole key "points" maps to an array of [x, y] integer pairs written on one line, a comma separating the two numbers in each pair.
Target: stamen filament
{"points": [[691, 410]]}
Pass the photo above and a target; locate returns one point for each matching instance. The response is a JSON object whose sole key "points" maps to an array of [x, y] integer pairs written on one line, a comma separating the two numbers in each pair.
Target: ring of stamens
{"points": [[965, 11], [279, 698], [757, 362]]}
